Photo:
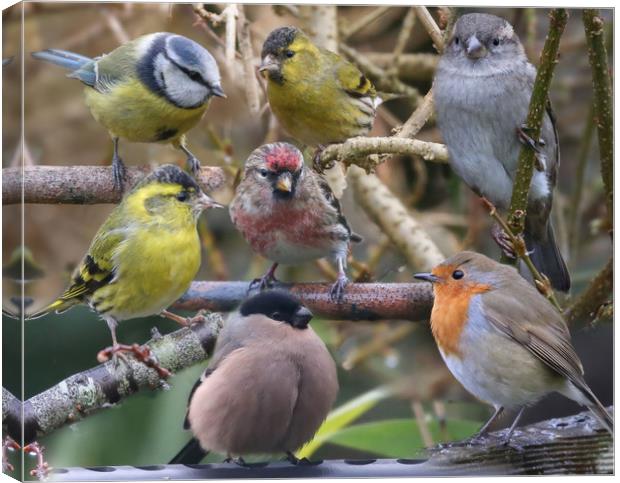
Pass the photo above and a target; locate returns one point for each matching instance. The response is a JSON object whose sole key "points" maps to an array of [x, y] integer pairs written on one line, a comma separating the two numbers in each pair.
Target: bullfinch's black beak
{"points": [[427, 277], [301, 318]]}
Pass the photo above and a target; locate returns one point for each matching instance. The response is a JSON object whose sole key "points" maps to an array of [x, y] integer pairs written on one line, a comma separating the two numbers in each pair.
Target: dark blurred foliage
{"points": [[59, 130]]}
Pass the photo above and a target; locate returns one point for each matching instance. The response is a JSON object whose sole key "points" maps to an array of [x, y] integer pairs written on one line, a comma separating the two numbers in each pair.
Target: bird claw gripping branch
{"points": [[142, 353], [42, 469], [9, 444], [541, 161]]}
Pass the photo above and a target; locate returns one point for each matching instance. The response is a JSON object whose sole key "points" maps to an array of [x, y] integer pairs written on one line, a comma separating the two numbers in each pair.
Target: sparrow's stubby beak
{"points": [[475, 49], [203, 202], [285, 182], [302, 317], [427, 277], [269, 65], [217, 91]]}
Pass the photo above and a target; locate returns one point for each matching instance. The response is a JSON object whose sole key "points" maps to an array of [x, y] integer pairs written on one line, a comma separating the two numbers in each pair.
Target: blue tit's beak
{"points": [[203, 202], [427, 277], [475, 49], [302, 317], [217, 91]]}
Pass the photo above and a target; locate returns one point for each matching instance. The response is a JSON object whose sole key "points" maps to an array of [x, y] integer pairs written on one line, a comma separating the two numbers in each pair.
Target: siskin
{"points": [[318, 97], [152, 89], [144, 256]]}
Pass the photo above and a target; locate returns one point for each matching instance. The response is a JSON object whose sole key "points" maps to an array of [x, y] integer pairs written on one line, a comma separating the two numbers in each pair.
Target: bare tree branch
{"points": [[80, 184], [598, 294]]}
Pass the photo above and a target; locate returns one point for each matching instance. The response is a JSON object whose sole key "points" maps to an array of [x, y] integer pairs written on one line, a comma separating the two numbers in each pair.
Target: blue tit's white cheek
{"points": [[178, 88]]}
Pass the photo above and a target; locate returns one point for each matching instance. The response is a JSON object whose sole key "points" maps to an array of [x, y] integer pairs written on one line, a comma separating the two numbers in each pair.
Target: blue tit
{"points": [[152, 89]]}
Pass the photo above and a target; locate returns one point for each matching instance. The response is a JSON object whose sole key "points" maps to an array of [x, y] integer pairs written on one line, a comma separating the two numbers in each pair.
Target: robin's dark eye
{"points": [[182, 196], [289, 53], [263, 172], [457, 274], [495, 41]]}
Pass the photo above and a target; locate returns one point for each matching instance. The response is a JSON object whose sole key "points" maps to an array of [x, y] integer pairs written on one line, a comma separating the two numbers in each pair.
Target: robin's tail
{"points": [[191, 454], [578, 391], [546, 256]]}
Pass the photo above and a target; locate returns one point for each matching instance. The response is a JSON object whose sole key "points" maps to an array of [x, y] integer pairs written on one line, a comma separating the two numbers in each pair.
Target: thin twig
{"points": [[596, 295], [541, 281], [348, 31], [431, 27], [247, 57]]}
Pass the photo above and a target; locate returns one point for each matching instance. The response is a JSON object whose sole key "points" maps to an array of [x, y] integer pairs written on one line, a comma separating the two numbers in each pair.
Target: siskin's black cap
{"points": [[170, 174], [278, 39]]}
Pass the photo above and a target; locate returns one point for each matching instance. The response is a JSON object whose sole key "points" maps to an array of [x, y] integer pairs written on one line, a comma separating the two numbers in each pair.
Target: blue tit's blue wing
{"points": [[87, 73]]}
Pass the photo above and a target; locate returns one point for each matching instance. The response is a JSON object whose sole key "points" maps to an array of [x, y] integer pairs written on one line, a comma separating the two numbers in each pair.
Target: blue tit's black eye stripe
{"points": [[192, 74]]}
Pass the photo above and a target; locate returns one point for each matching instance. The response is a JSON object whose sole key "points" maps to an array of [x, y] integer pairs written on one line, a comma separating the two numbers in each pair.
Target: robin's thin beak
{"points": [[285, 182], [269, 64], [203, 202], [427, 277], [475, 49], [217, 91], [302, 317]]}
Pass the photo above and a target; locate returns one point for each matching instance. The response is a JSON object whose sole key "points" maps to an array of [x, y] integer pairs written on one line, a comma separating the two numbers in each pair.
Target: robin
{"points": [[502, 340]]}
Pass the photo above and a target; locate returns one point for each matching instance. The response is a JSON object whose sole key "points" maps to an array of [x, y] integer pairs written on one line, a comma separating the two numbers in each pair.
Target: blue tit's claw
{"points": [[119, 172], [336, 293]]}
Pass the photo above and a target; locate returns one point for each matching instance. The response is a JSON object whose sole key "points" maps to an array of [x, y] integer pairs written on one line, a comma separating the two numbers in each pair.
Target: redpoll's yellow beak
{"points": [[203, 202], [285, 183]]}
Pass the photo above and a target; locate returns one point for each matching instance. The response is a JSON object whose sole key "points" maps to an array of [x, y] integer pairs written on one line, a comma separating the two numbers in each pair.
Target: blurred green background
{"points": [[147, 428]]}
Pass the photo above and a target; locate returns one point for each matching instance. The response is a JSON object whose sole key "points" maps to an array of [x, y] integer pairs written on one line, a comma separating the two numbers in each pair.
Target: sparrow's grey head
{"points": [[183, 71], [483, 42]]}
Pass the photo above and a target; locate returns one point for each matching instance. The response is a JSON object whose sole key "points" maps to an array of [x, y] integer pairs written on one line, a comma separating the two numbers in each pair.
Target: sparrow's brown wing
{"points": [[537, 326]]}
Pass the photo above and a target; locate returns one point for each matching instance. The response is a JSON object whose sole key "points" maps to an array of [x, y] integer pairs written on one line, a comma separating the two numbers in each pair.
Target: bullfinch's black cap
{"points": [[278, 39], [277, 305]]}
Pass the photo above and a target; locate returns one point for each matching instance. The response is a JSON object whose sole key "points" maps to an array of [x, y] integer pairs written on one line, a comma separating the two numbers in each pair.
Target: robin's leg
{"points": [[42, 469], [184, 321], [142, 353], [337, 291], [266, 280], [118, 168], [513, 426], [485, 427], [192, 161]]}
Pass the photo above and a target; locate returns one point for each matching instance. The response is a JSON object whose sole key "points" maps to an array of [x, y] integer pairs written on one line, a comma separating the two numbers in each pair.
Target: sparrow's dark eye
{"points": [[457, 274], [289, 53], [456, 41], [263, 172], [182, 196], [495, 42]]}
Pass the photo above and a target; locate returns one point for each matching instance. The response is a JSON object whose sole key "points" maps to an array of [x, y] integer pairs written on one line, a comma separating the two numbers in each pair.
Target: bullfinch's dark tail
{"points": [[547, 258], [191, 454]]}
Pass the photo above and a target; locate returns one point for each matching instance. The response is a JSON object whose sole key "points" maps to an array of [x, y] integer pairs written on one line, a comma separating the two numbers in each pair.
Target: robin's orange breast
{"points": [[449, 314]]}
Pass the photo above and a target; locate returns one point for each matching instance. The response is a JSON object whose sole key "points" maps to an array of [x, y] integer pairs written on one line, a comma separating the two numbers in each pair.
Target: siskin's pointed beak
{"points": [[285, 182], [217, 91], [427, 277], [269, 65], [204, 202]]}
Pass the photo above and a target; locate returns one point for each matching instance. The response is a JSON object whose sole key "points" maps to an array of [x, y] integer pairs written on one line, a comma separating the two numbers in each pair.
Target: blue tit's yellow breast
{"points": [[131, 111]]}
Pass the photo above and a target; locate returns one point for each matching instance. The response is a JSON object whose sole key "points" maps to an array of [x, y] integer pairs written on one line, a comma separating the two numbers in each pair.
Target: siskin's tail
{"points": [[191, 454], [63, 58], [58, 306]]}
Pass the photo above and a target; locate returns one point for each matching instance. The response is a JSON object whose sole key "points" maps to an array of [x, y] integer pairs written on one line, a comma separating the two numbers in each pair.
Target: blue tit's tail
{"points": [[545, 254], [65, 59]]}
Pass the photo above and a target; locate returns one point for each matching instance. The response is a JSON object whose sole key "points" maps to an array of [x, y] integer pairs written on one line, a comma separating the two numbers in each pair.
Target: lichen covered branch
{"points": [[603, 101], [533, 123], [595, 297]]}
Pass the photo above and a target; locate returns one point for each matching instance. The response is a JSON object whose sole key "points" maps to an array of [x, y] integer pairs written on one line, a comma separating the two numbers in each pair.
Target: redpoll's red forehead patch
{"points": [[284, 158]]}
